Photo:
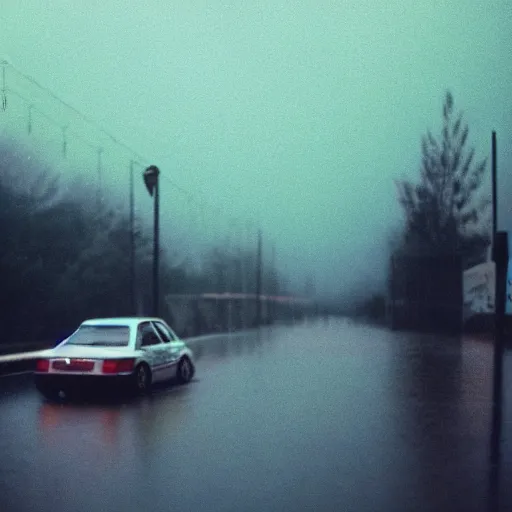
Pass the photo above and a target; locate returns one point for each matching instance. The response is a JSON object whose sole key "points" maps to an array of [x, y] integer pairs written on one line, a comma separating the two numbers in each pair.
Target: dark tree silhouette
{"points": [[64, 259], [445, 212]]}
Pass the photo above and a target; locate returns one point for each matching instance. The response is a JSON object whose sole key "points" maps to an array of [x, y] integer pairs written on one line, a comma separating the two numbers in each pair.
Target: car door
{"points": [[151, 343], [172, 350]]}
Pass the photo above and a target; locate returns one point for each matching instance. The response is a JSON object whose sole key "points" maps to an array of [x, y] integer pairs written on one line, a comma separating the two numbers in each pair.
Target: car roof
{"points": [[128, 321]]}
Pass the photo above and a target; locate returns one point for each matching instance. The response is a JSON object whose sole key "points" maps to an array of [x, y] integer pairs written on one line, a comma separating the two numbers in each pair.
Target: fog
{"points": [[289, 117]]}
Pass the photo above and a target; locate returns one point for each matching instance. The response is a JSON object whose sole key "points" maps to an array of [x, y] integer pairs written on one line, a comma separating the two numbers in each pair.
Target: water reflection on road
{"points": [[322, 416], [443, 393]]}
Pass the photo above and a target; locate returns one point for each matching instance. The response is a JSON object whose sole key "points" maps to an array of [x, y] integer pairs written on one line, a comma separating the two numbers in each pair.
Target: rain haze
{"points": [[295, 116]]}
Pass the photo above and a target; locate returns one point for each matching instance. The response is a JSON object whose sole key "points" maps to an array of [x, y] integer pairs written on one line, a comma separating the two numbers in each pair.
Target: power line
{"points": [[145, 161], [85, 118], [50, 119], [139, 159], [202, 202]]}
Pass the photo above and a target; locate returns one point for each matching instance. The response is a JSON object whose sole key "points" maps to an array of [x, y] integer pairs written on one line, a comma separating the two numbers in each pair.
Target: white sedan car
{"points": [[129, 353]]}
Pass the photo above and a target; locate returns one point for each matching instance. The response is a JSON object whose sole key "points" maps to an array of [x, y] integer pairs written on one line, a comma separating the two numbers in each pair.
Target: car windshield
{"points": [[101, 336]]}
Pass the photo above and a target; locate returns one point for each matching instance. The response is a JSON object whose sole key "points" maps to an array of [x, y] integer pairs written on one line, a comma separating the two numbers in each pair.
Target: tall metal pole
{"points": [[273, 308], [500, 257], [156, 249], [246, 301], [392, 294], [494, 188], [258, 282], [151, 180], [132, 240], [99, 196], [4, 63]]}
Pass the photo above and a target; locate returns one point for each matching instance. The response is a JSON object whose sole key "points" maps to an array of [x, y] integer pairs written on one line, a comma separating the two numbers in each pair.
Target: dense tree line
{"points": [[64, 257]]}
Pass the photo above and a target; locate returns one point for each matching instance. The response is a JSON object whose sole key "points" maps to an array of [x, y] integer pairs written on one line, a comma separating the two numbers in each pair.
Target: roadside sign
{"points": [[479, 289]]}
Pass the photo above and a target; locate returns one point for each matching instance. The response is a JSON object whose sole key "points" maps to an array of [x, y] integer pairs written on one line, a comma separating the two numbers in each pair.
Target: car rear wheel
{"points": [[142, 379], [185, 371], [50, 392]]}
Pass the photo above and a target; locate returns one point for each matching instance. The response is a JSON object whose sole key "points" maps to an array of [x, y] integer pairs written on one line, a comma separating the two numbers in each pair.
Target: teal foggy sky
{"points": [[297, 115]]}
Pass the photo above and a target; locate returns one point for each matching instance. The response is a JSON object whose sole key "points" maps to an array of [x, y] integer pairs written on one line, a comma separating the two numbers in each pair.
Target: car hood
{"points": [[83, 351]]}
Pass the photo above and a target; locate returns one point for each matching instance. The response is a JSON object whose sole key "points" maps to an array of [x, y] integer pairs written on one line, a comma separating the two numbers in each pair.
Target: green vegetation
{"points": [[64, 259]]}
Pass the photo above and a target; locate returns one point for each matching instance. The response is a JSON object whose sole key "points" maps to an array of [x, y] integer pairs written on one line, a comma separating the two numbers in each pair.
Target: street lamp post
{"points": [[151, 175]]}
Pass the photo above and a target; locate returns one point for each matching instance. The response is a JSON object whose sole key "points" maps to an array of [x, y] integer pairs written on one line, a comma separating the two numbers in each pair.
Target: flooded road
{"points": [[320, 417]]}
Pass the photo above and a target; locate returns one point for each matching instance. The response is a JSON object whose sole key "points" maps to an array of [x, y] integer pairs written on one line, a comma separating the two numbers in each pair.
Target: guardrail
{"points": [[24, 362], [16, 348]]}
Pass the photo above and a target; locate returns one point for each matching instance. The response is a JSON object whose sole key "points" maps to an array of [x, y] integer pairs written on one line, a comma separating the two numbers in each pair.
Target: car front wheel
{"points": [[185, 371]]}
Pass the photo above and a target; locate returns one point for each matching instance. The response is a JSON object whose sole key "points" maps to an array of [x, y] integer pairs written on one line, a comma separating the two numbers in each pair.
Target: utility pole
{"points": [[392, 289], [3, 90], [99, 193], [258, 282], [151, 180], [132, 240], [273, 305], [494, 188], [500, 257], [243, 304]]}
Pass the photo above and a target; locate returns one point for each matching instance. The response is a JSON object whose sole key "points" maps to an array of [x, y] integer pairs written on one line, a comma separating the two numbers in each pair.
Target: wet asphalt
{"points": [[321, 416]]}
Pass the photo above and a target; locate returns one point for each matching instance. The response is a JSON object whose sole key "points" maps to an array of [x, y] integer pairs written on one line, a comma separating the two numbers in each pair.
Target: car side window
{"points": [[147, 336], [165, 332]]}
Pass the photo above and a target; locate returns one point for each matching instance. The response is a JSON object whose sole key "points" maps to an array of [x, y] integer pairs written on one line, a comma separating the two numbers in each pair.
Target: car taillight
{"points": [[42, 365], [111, 366]]}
